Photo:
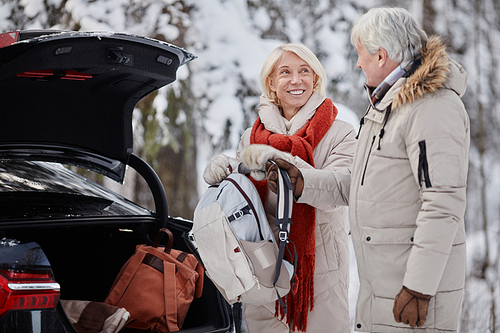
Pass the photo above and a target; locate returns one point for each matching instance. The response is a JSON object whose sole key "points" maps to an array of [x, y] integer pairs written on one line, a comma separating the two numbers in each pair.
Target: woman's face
{"points": [[292, 80]]}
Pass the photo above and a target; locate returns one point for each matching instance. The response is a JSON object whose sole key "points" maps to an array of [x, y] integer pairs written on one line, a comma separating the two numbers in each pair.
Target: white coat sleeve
{"points": [[437, 146], [328, 186], [244, 142]]}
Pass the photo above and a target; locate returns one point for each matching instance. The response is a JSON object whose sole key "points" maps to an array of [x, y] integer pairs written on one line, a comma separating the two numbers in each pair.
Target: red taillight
{"points": [[8, 38], [37, 74], [49, 74], [76, 76], [22, 275], [20, 290]]}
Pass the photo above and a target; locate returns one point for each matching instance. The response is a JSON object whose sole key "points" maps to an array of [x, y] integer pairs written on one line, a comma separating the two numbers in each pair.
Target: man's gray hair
{"points": [[393, 29]]}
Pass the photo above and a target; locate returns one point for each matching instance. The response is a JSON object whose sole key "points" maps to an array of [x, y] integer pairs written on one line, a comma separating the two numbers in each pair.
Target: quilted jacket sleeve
{"points": [[327, 185], [437, 144]]}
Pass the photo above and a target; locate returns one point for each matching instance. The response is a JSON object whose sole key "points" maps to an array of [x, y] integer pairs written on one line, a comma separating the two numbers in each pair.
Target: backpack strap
{"points": [[283, 222], [250, 204], [240, 213]]}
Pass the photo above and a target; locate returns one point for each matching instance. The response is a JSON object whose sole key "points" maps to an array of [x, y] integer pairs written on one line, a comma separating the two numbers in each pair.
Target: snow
{"points": [[226, 35], [261, 19], [31, 8], [239, 50], [347, 115]]}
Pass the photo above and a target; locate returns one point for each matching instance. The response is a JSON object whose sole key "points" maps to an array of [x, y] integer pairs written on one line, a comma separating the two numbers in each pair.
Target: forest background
{"points": [[214, 99]]}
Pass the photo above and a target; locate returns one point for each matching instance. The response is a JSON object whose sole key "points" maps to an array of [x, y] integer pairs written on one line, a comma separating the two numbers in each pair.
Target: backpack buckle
{"points": [[283, 236], [238, 215]]}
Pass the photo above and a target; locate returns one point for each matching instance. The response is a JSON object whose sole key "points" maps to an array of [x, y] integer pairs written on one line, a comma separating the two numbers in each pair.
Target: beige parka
{"points": [[408, 195], [331, 277]]}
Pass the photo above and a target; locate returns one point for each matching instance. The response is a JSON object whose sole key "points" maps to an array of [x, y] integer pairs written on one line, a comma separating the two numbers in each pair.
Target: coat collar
{"points": [[377, 113], [429, 77], [436, 71]]}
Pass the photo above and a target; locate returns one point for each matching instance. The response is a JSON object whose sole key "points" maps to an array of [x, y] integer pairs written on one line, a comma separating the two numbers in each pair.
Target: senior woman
{"points": [[297, 123]]}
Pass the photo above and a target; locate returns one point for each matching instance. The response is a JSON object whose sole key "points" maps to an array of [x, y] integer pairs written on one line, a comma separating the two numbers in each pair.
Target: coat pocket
{"points": [[385, 253], [328, 257], [382, 310]]}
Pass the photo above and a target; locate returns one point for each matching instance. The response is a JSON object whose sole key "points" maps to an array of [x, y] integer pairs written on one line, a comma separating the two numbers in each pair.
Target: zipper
{"points": [[367, 159], [423, 165], [362, 122]]}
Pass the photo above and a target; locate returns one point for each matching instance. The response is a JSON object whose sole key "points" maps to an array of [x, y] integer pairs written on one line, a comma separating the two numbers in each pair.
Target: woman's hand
{"points": [[255, 156], [218, 168]]}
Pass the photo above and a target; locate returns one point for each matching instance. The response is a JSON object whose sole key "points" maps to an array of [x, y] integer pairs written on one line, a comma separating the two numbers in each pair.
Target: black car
{"points": [[67, 99]]}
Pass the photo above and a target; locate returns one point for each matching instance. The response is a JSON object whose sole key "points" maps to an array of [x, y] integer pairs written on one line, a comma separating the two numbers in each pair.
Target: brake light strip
{"points": [[34, 286], [69, 75]]}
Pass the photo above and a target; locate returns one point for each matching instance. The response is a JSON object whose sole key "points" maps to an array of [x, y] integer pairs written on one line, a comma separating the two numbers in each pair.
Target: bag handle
{"points": [[170, 242], [283, 222]]}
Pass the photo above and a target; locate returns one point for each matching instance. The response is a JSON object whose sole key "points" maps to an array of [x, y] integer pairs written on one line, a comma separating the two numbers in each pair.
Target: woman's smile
{"points": [[292, 81]]}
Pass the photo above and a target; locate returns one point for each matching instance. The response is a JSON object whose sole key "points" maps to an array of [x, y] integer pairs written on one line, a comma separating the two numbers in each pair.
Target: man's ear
{"points": [[382, 57]]}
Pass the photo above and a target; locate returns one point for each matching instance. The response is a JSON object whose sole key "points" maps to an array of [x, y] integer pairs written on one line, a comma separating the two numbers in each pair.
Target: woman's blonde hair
{"points": [[302, 52]]}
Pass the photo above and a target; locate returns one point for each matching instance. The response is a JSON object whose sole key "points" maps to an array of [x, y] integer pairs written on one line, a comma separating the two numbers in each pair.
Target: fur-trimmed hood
{"points": [[436, 71]]}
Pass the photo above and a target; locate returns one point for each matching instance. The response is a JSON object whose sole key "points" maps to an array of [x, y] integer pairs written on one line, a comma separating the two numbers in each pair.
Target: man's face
{"points": [[370, 65]]}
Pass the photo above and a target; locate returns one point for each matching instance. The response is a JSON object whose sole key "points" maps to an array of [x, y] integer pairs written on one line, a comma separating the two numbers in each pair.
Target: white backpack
{"points": [[236, 243]]}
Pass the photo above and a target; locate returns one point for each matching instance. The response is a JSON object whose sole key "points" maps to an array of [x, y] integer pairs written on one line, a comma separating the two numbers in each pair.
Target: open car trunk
{"points": [[68, 98]]}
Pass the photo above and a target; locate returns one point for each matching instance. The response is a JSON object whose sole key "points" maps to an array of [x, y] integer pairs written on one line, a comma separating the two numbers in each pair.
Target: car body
{"points": [[67, 99]]}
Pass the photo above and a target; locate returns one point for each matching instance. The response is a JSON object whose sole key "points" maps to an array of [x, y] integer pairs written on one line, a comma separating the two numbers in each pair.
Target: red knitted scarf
{"points": [[300, 300]]}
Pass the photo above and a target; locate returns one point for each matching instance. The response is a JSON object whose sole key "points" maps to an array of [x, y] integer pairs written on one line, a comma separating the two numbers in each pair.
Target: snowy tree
{"points": [[214, 99]]}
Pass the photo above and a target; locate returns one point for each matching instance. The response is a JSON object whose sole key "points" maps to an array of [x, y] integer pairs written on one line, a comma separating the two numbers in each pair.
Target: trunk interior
{"points": [[86, 259]]}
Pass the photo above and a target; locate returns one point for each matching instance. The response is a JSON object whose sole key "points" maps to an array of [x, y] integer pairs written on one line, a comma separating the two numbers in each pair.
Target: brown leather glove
{"points": [[294, 173], [410, 307]]}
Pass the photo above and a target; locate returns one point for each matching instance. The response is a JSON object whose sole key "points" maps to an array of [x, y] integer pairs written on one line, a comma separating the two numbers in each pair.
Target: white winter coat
{"points": [[331, 278], [407, 200]]}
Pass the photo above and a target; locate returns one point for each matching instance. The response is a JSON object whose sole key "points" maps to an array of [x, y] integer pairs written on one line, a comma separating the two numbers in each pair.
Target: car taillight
{"points": [[27, 290], [50, 75], [8, 38]]}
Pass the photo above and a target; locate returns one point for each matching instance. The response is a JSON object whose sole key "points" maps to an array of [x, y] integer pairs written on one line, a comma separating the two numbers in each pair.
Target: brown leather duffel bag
{"points": [[157, 285]]}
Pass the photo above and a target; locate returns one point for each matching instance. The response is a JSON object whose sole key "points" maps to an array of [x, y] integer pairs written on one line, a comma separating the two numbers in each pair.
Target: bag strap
{"points": [[240, 213], [283, 222], [170, 242], [249, 204], [169, 293]]}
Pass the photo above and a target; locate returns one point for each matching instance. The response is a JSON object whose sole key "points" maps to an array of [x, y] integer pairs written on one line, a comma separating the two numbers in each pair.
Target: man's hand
{"points": [[294, 173], [410, 307]]}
